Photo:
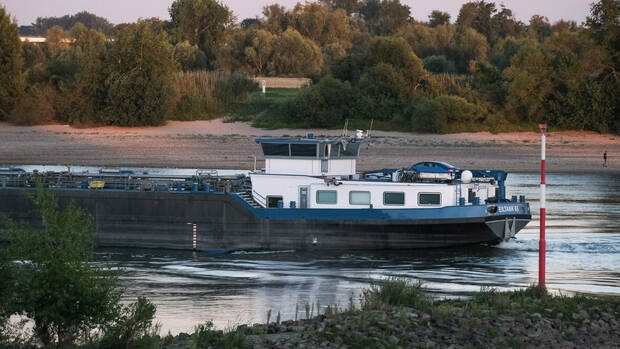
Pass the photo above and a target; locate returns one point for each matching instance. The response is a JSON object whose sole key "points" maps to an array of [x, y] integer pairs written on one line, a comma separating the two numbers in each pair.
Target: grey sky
{"points": [[119, 11]]}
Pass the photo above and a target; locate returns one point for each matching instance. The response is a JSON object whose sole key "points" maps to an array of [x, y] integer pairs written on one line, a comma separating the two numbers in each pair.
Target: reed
{"points": [[199, 83]]}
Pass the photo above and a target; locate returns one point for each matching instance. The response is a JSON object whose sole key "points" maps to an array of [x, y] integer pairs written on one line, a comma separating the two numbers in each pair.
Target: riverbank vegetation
{"points": [[369, 61], [55, 296]]}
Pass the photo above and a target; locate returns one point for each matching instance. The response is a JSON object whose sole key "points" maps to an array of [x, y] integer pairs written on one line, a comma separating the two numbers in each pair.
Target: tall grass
{"points": [[199, 83], [208, 94], [396, 292]]}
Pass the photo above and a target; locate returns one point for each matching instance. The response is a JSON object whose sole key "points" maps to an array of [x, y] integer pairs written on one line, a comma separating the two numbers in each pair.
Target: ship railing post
{"points": [[543, 194]]}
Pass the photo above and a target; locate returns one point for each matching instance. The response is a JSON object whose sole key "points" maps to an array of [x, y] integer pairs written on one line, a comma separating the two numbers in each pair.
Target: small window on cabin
{"points": [[393, 198], [359, 197], [326, 197], [429, 199], [303, 150], [274, 201], [275, 149]]}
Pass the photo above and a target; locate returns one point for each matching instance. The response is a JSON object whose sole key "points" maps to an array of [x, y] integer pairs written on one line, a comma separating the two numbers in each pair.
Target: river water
{"points": [[583, 255]]}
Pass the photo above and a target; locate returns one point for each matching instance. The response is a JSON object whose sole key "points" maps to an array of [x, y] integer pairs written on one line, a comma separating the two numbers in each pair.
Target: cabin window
{"points": [[275, 149], [429, 199], [303, 150], [326, 197], [272, 201], [393, 198], [359, 197]]}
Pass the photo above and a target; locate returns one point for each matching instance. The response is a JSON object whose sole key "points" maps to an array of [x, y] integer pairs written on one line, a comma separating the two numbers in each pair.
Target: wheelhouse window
{"points": [[429, 199], [394, 198], [308, 150], [326, 197], [359, 197], [276, 149]]}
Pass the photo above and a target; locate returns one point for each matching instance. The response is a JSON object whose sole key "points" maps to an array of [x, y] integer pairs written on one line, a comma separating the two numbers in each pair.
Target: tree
{"points": [[67, 22], [260, 51], [78, 102], [469, 46], [324, 26], [395, 52], [529, 83], [139, 77], [11, 61], [349, 6], [439, 64], [56, 42], [276, 19], [604, 26], [294, 54], [604, 23], [185, 55], [539, 27], [385, 17], [438, 18], [479, 16], [203, 23], [60, 289], [250, 23]]}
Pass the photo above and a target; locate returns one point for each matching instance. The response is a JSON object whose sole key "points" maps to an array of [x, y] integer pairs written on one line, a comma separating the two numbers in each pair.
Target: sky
{"points": [[121, 11]]}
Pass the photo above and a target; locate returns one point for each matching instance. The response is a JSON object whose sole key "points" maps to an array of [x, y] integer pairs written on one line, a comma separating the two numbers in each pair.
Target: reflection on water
{"points": [[583, 245]]}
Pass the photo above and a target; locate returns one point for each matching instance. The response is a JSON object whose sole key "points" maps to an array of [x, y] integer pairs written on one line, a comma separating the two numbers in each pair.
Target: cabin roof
{"points": [[296, 141]]}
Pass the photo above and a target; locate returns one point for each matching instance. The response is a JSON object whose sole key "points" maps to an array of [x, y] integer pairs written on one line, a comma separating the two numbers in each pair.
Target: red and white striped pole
{"points": [[543, 193]]}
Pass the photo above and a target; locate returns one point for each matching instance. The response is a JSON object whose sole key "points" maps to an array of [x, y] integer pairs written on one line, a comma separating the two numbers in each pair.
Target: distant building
{"points": [[41, 39], [34, 39]]}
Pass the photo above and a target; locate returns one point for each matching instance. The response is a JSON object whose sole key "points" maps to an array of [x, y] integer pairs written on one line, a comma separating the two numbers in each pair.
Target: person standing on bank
{"points": [[605, 158]]}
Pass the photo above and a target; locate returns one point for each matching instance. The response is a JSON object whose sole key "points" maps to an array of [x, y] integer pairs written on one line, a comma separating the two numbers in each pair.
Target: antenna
{"points": [[369, 144], [345, 128]]}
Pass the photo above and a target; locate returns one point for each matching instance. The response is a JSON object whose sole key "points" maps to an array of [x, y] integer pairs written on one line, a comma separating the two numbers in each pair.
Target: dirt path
{"points": [[215, 144]]}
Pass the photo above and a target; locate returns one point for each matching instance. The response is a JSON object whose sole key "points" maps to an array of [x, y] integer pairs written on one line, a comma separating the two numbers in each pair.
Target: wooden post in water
{"points": [[543, 194]]}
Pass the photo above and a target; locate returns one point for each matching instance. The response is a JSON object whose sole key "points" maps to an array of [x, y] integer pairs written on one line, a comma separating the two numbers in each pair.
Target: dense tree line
{"points": [[483, 70]]}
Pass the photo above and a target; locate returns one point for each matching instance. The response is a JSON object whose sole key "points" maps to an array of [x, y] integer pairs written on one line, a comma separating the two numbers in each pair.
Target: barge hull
{"points": [[225, 222]]}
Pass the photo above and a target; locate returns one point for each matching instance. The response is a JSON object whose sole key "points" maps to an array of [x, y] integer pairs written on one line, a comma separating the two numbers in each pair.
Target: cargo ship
{"points": [[308, 196]]}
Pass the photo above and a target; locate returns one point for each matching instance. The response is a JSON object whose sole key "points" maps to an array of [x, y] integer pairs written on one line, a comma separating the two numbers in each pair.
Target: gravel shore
{"points": [[517, 319]]}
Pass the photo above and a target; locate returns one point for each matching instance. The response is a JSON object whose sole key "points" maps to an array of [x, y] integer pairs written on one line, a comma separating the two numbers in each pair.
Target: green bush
{"points": [[235, 88], [60, 289], [73, 107], [206, 337], [34, 108], [326, 104], [137, 99], [133, 328], [443, 114], [191, 107], [439, 64]]}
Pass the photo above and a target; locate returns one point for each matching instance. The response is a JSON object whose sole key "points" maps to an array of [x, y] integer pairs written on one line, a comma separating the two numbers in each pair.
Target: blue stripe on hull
{"points": [[449, 212]]}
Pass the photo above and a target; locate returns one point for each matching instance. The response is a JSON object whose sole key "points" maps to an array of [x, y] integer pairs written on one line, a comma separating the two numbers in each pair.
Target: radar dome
{"points": [[466, 176]]}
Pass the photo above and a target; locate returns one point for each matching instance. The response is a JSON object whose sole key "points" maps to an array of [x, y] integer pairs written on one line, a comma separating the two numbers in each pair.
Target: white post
{"points": [[264, 86]]}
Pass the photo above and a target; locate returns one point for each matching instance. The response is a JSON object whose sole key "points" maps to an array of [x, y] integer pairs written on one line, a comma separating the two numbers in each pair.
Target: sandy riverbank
{"points": [[215, 144]]}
